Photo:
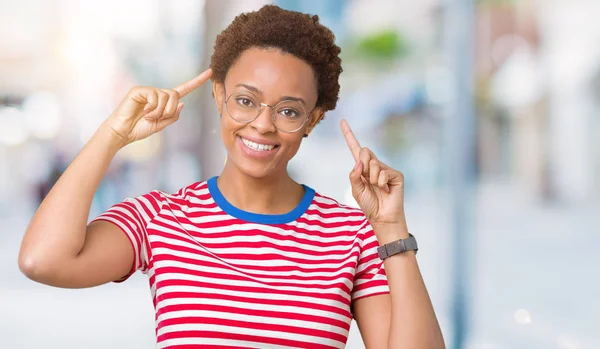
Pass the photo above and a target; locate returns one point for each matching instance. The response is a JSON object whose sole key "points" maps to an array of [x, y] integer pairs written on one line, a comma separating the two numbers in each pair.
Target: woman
{"points": [[249, 258]]}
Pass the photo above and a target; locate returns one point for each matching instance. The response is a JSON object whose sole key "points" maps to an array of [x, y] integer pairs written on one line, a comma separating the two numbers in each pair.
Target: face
{"points": [[258, 148]]}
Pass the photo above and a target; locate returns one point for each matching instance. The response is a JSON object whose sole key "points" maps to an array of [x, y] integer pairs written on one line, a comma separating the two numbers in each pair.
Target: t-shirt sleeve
{"points": [[132, 216], [370, 278]]}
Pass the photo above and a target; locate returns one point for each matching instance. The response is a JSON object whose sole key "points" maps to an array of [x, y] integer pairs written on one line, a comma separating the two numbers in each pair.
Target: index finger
{"points": [[193, 84], [351, 140]]}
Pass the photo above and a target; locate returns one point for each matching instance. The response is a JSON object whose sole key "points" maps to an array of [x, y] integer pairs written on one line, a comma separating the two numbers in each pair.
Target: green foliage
{"points": [[384, 45]]}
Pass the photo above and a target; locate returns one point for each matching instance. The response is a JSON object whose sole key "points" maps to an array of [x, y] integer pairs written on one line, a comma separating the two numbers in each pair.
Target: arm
{"points": [[58, 248], [404, 318]]}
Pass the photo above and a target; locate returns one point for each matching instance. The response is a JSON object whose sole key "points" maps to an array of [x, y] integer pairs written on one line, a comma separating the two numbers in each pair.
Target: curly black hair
{"points": [[291, 32]]}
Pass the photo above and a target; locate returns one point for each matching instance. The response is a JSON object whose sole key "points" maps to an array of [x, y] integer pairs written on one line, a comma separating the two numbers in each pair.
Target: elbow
{"points": [[34, 267], [29, 266]]}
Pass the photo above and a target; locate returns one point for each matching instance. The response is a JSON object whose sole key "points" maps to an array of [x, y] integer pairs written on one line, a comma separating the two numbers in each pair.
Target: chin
{"points": [[255, 170]]}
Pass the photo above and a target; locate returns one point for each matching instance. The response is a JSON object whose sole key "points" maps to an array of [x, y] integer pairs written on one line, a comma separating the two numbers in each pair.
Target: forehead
{"points": [[274, 73]]}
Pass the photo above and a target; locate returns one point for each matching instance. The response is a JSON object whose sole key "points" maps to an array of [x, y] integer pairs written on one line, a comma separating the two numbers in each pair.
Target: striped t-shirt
{"points": [[221, 277]]}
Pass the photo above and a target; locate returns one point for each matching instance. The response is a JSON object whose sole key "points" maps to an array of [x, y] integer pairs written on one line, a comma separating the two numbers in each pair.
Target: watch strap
{"points": [[398, 246]]}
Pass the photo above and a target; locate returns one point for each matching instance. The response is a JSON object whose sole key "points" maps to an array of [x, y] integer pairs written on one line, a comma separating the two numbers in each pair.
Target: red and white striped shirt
{"points": [[221, 277]]}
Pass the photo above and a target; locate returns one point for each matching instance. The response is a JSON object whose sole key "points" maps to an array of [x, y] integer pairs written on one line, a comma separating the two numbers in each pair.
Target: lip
{"points": [[259, 140], [258, 154]]}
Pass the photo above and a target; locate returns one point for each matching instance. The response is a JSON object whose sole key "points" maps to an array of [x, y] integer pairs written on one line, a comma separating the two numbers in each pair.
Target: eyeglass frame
{"points": [[272, 112]]}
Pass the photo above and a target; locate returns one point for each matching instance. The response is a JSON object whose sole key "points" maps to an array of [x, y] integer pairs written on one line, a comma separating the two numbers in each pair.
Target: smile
{"points": [[257, 146]]}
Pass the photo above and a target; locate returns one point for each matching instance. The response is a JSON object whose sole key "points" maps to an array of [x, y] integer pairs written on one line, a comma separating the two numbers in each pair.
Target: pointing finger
{"points": [[351, 140], [193, 84]]}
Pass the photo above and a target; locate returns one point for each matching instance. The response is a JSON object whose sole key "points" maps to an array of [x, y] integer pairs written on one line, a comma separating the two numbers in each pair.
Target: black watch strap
{"points": [[398, 246]]}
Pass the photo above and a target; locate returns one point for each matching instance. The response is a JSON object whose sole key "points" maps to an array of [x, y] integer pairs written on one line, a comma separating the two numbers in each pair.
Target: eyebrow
{"points": [[283, 98]]}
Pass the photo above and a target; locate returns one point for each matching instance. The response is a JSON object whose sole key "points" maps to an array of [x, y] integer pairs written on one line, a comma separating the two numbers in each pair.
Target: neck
{"points": [[275, 194]]}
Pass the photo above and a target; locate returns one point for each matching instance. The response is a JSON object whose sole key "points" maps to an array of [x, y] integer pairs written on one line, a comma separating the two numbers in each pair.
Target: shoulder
{"points": [[327, 202], [329, 207], [196, 189], [191, 192]]}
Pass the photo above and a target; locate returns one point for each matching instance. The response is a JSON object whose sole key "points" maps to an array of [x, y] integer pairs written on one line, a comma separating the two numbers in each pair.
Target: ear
{"points": [[316, 116], [219, 95]]}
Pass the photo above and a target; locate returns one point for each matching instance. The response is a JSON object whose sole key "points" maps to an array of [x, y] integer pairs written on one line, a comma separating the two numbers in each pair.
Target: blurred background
{"points": [[490, 108]]}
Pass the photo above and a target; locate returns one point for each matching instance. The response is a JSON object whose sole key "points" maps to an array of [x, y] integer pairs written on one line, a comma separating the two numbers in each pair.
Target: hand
{"points": [[377, 188], [147, 110]]}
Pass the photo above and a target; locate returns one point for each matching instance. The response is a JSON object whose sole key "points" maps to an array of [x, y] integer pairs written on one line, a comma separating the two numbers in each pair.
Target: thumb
{"points": [[358, 186]]}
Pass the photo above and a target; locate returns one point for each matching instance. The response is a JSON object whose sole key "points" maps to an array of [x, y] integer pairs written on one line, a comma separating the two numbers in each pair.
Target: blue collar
{"points": [[233, 211]]}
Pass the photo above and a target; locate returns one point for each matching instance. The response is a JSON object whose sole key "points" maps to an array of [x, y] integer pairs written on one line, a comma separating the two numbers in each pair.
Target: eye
{"points": [[245, 102], [289, 113]]}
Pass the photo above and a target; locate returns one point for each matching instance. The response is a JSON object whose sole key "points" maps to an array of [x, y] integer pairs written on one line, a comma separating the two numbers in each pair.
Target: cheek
{"points": [[228, 128], [292, 145]]}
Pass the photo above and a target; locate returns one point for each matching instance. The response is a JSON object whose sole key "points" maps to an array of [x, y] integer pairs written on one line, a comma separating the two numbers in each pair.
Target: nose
{"points": [[264, 122]]}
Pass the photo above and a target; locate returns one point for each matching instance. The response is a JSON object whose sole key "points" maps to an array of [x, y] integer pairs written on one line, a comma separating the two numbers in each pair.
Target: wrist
{"points": [[108, 136], [388, 232]]}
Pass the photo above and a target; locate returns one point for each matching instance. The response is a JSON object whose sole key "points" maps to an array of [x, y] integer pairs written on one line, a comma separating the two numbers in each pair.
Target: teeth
{"points": [[257, 146]]}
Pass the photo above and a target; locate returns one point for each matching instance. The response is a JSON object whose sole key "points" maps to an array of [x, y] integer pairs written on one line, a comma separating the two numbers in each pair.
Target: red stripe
{"points": [[254, 267], [195, 346], [202, 263], [344, 248], [256, 312], [253, 289], [261, 300], [233, 277], [242, 337], [234, 256]]}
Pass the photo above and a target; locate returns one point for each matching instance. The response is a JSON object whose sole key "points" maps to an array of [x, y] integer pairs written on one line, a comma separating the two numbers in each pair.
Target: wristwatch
{"points": [[398, 246]]}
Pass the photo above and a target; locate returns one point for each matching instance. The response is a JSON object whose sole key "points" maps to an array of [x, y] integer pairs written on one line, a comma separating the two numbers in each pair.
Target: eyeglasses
{"points": [[288, 115]]}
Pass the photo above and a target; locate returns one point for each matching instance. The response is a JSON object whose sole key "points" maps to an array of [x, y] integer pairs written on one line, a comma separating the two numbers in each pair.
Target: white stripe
{"points": [[322, 237], [255, 306], [258, 263], [244, 283], [139, 204], [244, 271], [334, 220], [339, 244], [164, 290], [217, 341], [251, 332], [369, 291], [194, 202], [260, 280], [248, 318]]}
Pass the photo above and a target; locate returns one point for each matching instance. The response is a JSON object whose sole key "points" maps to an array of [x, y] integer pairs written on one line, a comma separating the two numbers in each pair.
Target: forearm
{"points": [[413, 322], [57, 230]]}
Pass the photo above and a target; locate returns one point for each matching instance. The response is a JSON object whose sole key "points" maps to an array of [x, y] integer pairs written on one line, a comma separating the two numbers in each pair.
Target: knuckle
{"points": [[163, 95], [135, 90], [174, 94]]}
